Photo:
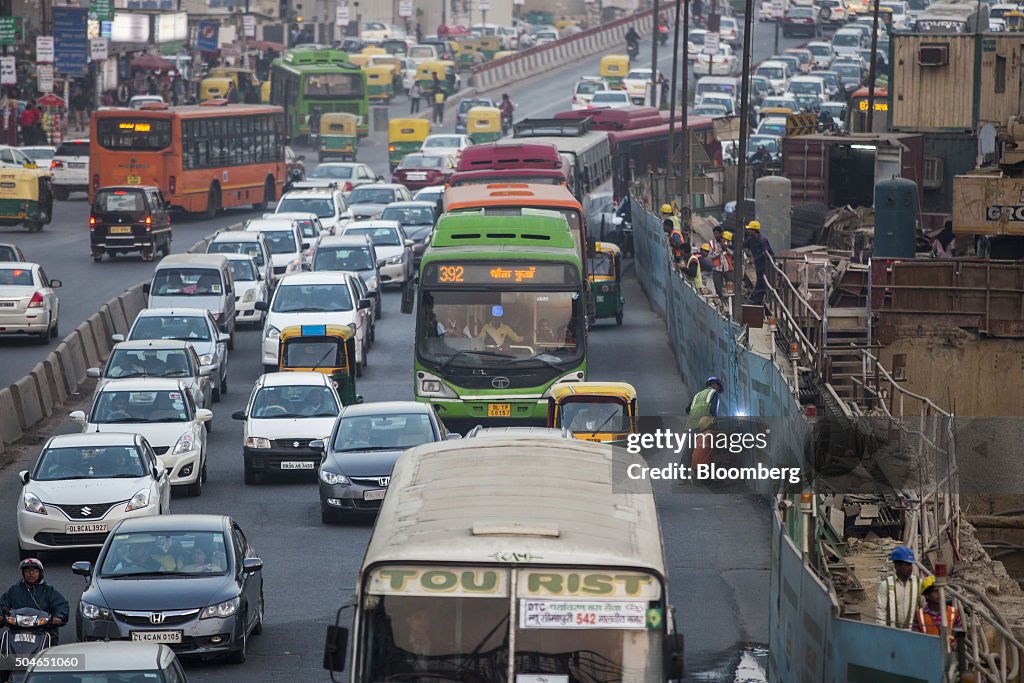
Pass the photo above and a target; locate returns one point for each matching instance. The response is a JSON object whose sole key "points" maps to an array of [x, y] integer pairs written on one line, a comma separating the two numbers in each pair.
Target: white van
{"points": [[725, 85], [196, 281]]}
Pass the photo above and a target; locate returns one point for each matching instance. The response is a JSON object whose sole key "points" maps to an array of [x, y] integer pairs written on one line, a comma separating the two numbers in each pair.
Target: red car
{"points": [[422, 169]]}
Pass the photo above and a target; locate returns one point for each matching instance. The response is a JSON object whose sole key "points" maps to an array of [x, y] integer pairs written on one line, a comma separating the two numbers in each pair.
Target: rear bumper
{"points": [[24, 323]]}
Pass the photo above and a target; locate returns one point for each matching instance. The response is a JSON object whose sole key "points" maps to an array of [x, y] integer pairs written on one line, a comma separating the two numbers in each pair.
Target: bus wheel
{"points": [[213, 201], [268, 195]]}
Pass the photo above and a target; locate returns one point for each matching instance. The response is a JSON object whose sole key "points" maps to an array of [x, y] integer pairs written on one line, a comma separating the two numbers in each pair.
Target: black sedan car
{"points": [[362, 449], [417, 218], [192, 582]]}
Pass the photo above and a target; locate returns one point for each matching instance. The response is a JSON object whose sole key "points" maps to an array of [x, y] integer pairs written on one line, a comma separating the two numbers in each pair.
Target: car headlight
{"points": [[186, 443], [394, 260], [140, 499], [249, 296], [431, 385], [256, 442], [33, 504], [332, 479], [373, 283], [90, 611], [206, 359], [271, 332], [221, 609]]}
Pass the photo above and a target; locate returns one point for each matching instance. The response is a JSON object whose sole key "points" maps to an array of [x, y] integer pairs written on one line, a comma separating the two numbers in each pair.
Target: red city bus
{"points": [[539, 176], [510, 154], [203, 158]]}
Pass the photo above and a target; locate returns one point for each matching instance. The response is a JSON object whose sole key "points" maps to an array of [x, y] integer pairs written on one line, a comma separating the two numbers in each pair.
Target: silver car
{"points": [[158, 358], [28, 302]]}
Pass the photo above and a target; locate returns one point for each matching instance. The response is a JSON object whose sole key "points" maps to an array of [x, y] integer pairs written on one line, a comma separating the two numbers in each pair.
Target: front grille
{"points": [[187, 644], [297, 444], [365, 504], [370, 481], [86, 510], [517, 379], [52, 539], [172, 618], [160, 450]]}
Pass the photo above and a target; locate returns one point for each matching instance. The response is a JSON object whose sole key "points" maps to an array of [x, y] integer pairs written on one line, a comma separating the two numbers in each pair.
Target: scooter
{"points": [[27, 633], [632, 49], [663, 34]]}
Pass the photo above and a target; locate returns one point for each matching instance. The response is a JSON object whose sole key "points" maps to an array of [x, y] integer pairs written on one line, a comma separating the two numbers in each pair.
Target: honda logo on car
{"points": [[156, 618]]}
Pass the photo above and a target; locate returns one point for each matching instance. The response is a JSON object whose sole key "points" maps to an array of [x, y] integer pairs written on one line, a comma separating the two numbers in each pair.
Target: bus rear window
{"points": [[134, 134], [322, 86]]}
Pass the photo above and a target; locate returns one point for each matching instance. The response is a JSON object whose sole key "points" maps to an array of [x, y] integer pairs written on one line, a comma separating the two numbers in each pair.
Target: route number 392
{"points": [[452, 273]]}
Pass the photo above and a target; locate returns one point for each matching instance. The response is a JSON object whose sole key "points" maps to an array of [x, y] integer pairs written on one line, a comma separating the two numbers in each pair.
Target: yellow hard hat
{"points": [[666, 208], [927, 583], [705, 247], [754, 225], [727, 236]]}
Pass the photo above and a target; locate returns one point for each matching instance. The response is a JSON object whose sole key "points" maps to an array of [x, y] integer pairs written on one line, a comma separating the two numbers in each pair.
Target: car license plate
{"points": [[6, 304], [499, 410], [25, 637], [417, 176], [157, 636], [377, 494], [74, 165], [120, 230], [134, 180], [295, 465], [599, 298], [89, 528]]}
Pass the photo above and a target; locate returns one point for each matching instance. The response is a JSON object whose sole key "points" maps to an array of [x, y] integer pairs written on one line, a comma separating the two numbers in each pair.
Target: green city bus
{"points": [[306, 78], [501, 317]]}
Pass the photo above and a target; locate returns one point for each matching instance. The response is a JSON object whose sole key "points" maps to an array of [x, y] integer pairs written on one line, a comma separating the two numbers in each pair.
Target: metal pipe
{"points": [[741, 163], [684, 110], [872, 73], [654, 56], [672, 89]]}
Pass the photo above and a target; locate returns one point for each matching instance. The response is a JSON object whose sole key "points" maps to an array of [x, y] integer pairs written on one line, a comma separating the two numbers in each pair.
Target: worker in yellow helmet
{"points": [[721, 259], [761, 252]]}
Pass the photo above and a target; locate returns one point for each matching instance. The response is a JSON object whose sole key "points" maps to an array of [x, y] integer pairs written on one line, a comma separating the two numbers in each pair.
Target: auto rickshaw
{"points": [[605, 268], [489, 46], [379, 83], [330, 349], [1014, 20], [501, 54], [775, 111], [483, 124], [360, 60], [214, 87], [339, 136], [404, 137], [426, 72], [26, 197], [613, 69], [393, 63], [594, 411], [265, 92], [466, 47], [244, 79], [373, 50]]}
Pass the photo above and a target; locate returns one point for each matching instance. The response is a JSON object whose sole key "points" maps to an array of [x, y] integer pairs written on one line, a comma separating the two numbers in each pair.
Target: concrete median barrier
{"points": [[133, 301], [46, 397], [10, 425], [27, 403], [73, 360], [92, 354], [55, 378], [118, 317], [100, 336]]}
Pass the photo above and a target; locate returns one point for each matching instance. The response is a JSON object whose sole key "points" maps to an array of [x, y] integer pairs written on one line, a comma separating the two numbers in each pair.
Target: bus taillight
{"points": [[172, 184]]}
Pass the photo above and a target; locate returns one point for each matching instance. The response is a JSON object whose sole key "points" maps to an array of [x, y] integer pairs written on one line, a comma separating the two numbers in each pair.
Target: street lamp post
{"points": [[741, 164], [672, 89], [654, 57]]}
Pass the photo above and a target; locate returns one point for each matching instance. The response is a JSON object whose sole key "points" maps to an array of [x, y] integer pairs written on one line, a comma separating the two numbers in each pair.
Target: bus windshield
{"points": [[333, 86], [140, 135]]}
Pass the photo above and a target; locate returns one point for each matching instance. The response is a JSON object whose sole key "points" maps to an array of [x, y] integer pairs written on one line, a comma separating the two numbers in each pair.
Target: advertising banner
{"points": [[44, 49], [207, 34]]}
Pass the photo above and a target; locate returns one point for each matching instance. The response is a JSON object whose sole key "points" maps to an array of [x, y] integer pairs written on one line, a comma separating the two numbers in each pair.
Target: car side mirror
{"points": [[409, 243], [239, 415], [305, 245], [336, 648], [23, 475], [117, 338], [145, 288], [161, 467], [359, 398], [373, 295], [77, 416], [364, 304], [82, 568], [301, 157], [223, 338], [380, 179], [94, 373], [56, 284], [261, 306], [251, 565], [381, 263], [317, 444], [408, 299], [206, 370], [204, 415]]}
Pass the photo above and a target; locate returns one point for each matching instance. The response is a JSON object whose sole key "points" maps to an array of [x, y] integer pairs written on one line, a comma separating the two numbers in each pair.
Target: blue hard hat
{"points": [[902, 554], [715, 380]]}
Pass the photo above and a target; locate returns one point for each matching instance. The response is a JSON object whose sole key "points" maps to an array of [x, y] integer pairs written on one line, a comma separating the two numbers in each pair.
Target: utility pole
{"points": [[684, 109], [871, 74], [672, 89], [654, 57], [741, 165]]}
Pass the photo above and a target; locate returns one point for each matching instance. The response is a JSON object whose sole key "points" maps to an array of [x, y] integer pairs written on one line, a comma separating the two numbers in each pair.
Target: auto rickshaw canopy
{"points": [[408, 130], [330, 349], [338, 123]]}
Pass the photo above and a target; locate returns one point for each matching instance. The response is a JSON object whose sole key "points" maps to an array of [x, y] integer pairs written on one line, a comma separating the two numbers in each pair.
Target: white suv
{"points": [[328, 203], [70, 168]]}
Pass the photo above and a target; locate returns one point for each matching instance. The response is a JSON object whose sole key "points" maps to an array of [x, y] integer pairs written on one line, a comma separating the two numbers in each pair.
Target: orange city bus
{"points": [[203, 158], [858, 111]]}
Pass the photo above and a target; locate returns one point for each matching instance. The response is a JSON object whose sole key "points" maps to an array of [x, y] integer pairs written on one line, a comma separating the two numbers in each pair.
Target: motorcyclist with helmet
{"points": [[632, 42], [507, 108], [314, 124], [34, 593]]}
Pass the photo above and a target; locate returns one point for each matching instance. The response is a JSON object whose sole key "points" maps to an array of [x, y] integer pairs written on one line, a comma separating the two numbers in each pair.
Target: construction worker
{"points": [[667, 213], [676, 239], [761, 251], [899, 594], [705, 402], [928, 619], [693, 269], [721, 260]]}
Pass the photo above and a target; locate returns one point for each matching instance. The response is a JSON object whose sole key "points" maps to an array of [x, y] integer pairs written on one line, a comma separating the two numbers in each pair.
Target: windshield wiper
{"points": [[373, 448], [490, 354], [323, 358], [129, 374], [122, 476], [126, 420], [167, 419], [303, 310], [189, 339], [147, 573], [600, 426]]}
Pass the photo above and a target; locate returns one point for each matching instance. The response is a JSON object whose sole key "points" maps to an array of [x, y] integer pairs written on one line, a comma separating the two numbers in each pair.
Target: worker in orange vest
{"points": [[928, 619]]}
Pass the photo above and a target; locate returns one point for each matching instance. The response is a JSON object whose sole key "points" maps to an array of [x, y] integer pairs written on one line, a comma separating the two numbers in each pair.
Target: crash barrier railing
{"points": [[41, 393], [796, 318], [542, 58]]}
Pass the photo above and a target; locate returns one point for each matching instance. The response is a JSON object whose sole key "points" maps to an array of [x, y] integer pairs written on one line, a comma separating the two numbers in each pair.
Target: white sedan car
{"points": [[394, 249], [285, 412], [725, 63], [613, 99], [161, 410], [58, 508], [446, 143], [28, 304], [636, 83], [250, 287]]}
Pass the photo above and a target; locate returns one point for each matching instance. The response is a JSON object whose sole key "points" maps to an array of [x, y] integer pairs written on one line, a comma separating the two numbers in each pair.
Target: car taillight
{"points": [[92, 222], [575, 100], [149, 222], [95, 181], [391, 148], [37, 301], [172, 184], [56, 164], [348, 186]]}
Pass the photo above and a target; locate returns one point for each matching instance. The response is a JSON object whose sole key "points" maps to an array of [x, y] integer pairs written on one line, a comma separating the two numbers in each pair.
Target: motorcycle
{"points": [[625, 235], [632, 49], [27, 633], [663, 34]]}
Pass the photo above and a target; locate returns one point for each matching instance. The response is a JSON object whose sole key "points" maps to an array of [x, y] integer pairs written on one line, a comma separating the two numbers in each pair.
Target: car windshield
{"points": [[820, 50], [801, 13], [641, 75], [312, 298], [242, 271], [772, 128], [381, 237], [299, 401], [371, 195], [383, 432], [609, 97], [421, 52], [343, 258], [39, 153], [770, 144], [601, 263], [776, 73], [332, 172], [148, 363], [187, 282], [805, 87], [594, 416], [247, 248], [589, 87], [425, 161], [115, 407], [413, 215], [73, 149], [466, 105], [445, 141], [848, 71], [170, 553], [89, 462], [321, 206], [846, 39], [836, 110], [186, 328], [307, 228], [9, 253], [16, 276], [281, 241]]}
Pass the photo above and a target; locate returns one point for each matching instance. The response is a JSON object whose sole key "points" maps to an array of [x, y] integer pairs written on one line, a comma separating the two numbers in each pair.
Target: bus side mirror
{"points": [[336, 648], [673, 656], [408, 298]]}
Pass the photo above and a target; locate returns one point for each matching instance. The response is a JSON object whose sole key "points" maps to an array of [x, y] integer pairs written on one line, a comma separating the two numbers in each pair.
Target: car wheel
{"points": [[97, 257], [239, 655], [380, 307], [195, 489], [44, 336], [327, 516], [231, 340], [55, 330], [224, 385], [216, 393], [359, 369], [257, 628], [204, 472], [25, 554], [618, 318]]}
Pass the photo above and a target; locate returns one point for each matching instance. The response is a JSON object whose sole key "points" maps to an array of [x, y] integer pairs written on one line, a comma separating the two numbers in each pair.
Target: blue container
{"points": [[895, 218]]}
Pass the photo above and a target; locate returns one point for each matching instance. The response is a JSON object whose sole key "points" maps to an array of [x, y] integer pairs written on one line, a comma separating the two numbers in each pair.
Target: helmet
{"points": [[727, 236], [666, 208], [902, 554], [705, 247], [715, 380], [31, 563], [927, 584], [754, 225]]}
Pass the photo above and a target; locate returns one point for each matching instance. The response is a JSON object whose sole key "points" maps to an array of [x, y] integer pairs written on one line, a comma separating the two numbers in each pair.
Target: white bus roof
{"points": [[552, 501]]}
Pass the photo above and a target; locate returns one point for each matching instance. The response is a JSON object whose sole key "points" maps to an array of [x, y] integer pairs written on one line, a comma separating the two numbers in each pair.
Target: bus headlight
{"points": [[432, 386]]}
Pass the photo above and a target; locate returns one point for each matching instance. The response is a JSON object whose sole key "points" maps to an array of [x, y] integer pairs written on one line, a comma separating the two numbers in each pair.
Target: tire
{"points": [[61, 193], [203, 474], [239, 655], [231, 340], [327, 516], [149, 253], [43, 337], [257, 628], [212, 202], [268, 195], [359, 369], [224, 385], [55, 330], [379, 308], [250, 476], [195, 489], [165, 250], [216, 393], [97, 257], [25, 554]]}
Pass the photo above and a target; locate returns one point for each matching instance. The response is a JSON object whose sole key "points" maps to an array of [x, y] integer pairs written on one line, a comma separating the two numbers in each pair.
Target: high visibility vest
{"points": [[721, 260], [700, 407], [932, 625], [893, 616], [677, 249], [698, 279]]}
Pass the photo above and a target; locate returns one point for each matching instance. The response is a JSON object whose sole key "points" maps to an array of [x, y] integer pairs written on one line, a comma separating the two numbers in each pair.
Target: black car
{"points": [[417, 218], [129, 218], [801, 21], [192, 582], [463, 111]]}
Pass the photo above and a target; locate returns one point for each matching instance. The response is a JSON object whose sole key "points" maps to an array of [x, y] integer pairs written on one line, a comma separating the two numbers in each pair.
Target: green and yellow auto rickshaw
{"points": [[379, 83], [26, 197], [339, 136], [483, 124], [594, 411], [427, 71], [214, 87], [330, 349], [605, 267], [613, 69], [489, 46], [466, 47], [404, 137]]}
